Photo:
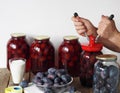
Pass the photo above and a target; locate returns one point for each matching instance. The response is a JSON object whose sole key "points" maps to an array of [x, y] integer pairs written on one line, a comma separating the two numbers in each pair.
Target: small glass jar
{"points": [[42, 54], [106, 74], [87, 61], [69, 55], [17, 47]]}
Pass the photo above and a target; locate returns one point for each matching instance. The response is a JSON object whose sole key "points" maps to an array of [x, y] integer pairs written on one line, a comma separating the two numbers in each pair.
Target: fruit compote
{"points": [[69, 55], [42, 54], [17, 47], [87, 61], [106, 74]]}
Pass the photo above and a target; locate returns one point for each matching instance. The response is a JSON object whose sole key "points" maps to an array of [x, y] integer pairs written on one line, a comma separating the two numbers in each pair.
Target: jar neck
{"points": [[42, 41], [18, 38], [71, 41], [107, 60]]}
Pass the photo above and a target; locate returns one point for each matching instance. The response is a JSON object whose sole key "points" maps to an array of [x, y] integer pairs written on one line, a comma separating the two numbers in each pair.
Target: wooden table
{"points": [[77, 85], [6, 80]]}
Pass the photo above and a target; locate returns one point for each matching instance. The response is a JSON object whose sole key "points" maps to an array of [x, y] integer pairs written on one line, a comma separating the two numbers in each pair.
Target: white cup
{"points": [[17, 69]]}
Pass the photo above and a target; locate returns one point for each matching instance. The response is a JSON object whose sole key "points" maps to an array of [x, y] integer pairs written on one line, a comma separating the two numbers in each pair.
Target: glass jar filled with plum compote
{"points": [[42, 54], [69, 55], [17, 47], [87, 61], [106, 74]]}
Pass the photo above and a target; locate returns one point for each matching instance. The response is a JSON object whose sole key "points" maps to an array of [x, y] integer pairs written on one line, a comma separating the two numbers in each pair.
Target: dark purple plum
{"points": [[51, 76], [40, 75], [49, 83], [100, 84], [57, 80], [112, 83], [60, 72], [24, 84], [40, 82], [51, 70], [105, 72], [95, 78], [113, 71], [103, 90], [62, 83], [66, 78], [114, 91], [36, 79]]}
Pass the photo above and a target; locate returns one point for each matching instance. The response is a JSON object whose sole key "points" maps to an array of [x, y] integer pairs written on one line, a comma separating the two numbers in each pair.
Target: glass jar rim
{"points": [[18, 35], [70, 37], [106, 57], [41, 37]]}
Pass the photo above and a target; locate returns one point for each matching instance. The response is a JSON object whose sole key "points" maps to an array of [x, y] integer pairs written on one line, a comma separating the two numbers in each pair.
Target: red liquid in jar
{"points": [[69, 55], [17, 47], [87, 61], [42, 54]]}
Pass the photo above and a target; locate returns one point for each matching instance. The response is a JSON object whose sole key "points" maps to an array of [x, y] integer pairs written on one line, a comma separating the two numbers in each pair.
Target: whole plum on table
{"points": [[24, 84]]}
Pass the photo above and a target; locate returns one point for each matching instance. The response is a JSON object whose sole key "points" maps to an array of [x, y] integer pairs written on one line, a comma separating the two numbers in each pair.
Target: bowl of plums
{"points": [[53, 80]]}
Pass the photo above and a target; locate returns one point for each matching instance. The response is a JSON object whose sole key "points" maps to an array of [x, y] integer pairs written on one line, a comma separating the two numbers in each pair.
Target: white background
{"points": [[50, 17]]}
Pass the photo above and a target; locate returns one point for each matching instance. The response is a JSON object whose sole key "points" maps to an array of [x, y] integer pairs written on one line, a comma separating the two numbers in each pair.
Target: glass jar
{"points": [[87, 61], [106, 74], [42, 54], [69, 55], [17, 47]]}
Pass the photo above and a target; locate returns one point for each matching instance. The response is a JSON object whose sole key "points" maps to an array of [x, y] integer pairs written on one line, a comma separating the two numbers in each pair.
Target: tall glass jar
{"points": [[17, 47], [106, 74], [87, 61], [69, 55], [42, 54]]}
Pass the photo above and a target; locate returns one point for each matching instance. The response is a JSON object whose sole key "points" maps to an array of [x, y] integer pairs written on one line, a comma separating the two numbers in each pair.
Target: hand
{"points": [[84, 25], [107, 28]]}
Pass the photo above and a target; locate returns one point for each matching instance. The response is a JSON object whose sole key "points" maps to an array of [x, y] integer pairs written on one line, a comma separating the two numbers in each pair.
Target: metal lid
{"points": [[107, 57], [18, 35], [41, 37], [70, 37]]}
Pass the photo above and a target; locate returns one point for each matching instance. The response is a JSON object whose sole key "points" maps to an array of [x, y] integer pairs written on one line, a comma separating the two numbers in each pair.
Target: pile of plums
{"points": [[106, 79], [52, 78]]}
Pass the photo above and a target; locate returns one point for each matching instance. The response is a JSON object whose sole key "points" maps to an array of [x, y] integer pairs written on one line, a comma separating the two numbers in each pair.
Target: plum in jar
{"points": [[42, 54], [106, 74], [17, 47], [87, 61], [69, 55]]}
